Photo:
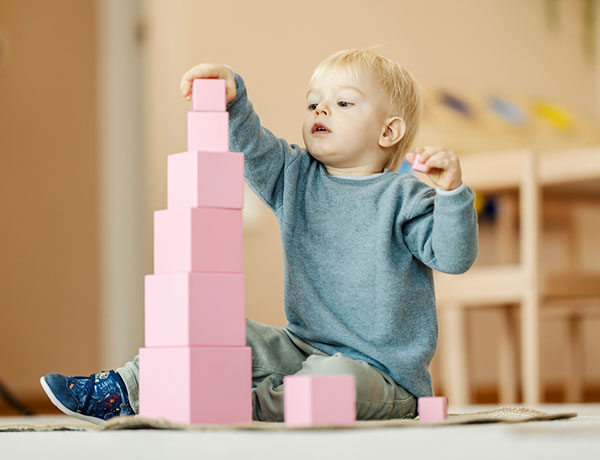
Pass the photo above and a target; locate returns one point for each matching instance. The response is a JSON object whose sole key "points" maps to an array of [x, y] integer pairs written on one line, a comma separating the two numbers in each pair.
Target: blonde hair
{"points": [[398, 84]]}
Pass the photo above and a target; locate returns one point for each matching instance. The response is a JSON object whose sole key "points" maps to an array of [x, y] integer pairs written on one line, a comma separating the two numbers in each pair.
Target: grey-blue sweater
{"points": [[358, 254]]}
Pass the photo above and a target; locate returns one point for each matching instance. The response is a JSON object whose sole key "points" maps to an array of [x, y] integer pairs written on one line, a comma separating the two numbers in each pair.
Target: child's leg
{"points": [[378, 397], [274, 355], [130, 373]]}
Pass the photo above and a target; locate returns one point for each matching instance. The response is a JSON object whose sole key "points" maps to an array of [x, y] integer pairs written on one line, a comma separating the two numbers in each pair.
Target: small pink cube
{"points": [[208, 95], [319, 400], [418, 165], [208, 131], [433, 408]]}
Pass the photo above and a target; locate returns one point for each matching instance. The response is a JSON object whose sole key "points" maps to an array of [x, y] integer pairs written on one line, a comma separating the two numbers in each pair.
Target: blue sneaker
{"points": [[95, 399]]}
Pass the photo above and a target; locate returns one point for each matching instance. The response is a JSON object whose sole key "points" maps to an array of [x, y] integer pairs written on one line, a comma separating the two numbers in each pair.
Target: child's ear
{"points": [[393, 132]]}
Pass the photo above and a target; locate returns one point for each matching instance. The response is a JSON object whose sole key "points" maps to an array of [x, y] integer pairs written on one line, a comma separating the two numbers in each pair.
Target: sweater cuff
{"points": [[454, 191]]}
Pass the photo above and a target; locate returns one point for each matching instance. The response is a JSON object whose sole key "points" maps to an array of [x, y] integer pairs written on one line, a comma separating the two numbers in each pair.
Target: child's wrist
{"points": [[453, 184], [452, 191]]}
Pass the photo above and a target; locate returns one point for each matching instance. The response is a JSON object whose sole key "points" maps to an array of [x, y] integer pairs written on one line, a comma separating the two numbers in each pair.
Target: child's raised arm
{"points": [[266, 156]]}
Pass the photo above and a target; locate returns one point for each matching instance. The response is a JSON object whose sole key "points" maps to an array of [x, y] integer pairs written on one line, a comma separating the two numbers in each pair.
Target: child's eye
{"points": [[312, 106], [344, 104]]}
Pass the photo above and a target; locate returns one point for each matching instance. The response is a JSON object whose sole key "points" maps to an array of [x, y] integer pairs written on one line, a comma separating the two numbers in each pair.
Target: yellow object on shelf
{"points": [[553, 114]]}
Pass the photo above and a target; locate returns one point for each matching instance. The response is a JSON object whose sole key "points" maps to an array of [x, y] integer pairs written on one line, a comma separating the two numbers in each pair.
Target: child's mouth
{"points": [[319, 128]]}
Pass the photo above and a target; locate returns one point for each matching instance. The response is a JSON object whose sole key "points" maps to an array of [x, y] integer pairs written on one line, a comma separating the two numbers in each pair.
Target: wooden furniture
{"points": [[524, 284]]}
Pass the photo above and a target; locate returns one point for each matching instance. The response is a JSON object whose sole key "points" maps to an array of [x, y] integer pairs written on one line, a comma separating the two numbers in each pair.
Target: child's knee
{"points": [[335, 364]]}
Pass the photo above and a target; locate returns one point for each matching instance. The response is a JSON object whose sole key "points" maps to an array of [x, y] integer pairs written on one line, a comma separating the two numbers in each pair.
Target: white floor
{"points": [[564, 439]]}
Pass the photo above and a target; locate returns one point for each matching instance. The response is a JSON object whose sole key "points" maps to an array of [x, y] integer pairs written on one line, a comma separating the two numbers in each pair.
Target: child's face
{"points": [[351, 110]]}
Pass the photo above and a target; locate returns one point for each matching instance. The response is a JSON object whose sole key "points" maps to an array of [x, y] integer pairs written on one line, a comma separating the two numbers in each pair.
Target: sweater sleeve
{"points": [[441, 230], [266, 157]]}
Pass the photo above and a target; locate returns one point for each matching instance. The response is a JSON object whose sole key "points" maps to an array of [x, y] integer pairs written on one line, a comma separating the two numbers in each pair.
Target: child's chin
{"points": [[319, 152], [319, 156]]}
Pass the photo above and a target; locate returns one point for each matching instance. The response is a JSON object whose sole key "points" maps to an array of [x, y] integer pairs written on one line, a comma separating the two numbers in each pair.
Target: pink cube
{"points": [[418, 165], [432, 409], [195, 309], [198, 240], [211, 179], [319, 400], [208, 95], [208, 131], [208, 385]]}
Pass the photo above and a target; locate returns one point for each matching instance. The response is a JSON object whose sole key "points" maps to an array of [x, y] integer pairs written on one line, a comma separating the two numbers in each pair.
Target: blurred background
{"points": [[90, 108]]}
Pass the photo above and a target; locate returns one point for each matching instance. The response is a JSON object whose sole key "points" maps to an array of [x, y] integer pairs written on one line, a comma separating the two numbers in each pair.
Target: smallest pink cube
{"points": [[433, 408], [319, 400], [208, 95], [418, 165]]}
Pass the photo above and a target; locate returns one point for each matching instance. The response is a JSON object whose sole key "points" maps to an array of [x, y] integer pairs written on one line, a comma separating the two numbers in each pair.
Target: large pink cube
{"points": [[432, 408], [208, 131], [212, 179], [195, 309], [208, 95], [189, 385], [198, 240], [319, 400]]}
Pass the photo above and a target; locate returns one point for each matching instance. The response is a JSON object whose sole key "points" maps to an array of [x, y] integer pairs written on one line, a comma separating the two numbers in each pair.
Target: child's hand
{"points": [[441, 166], [208, 70]]}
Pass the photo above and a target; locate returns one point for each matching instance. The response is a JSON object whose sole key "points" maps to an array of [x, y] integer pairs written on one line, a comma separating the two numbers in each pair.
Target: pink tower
{"points": [[196, 367]]}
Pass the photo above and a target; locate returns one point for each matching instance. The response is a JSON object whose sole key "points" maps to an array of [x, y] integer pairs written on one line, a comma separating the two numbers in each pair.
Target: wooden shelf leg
{"points": [[506, 356], [454, 357], [575, 360]]}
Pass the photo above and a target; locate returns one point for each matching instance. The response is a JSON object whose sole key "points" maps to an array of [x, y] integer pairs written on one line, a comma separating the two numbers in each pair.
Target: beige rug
{"points": [[499, 415]]}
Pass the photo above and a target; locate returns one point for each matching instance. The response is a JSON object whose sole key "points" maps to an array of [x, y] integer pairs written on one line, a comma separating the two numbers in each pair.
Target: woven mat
{"points": [[499, 415]]}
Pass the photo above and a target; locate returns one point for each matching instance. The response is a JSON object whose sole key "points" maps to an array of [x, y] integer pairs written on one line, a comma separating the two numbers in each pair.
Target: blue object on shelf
{"points": [[457, 104], [508, 111]]}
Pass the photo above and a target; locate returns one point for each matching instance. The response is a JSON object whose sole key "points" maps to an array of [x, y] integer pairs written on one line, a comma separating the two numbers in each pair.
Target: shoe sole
{"points": [[62, 408]]}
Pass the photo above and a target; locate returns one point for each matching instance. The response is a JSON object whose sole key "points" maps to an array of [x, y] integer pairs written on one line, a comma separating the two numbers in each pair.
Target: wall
{"points": [[49, 277]]}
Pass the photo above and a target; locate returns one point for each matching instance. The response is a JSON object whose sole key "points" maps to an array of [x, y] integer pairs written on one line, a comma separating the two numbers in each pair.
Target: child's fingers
{"points": [[427, 152], [444, 159], [438, 161], [410, 157], [208, 70], [186, 81], [205, 70], [230, 89]]}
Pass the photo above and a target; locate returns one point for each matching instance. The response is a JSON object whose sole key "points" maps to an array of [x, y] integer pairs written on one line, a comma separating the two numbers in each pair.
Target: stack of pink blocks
{"points": [[196, 367]]}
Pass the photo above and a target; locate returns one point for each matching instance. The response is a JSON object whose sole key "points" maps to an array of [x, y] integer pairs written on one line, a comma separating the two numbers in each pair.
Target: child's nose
{"points": [[322, 109]]}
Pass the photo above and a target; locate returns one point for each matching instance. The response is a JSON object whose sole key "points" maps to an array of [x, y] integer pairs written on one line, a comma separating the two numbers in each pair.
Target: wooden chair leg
{"points": [[454, 358], [529, 201], [575, 359], [506, 356], [530, 350]]}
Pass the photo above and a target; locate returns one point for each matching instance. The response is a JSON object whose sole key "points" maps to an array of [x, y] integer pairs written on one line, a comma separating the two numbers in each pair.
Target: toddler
{"points": [[359, 243]]}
